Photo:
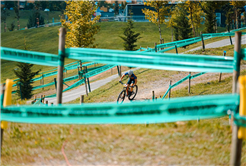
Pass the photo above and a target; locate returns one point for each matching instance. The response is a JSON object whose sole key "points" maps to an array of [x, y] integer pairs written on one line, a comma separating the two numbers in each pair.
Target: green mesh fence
{"points": [[167, 61], [159, 111]]}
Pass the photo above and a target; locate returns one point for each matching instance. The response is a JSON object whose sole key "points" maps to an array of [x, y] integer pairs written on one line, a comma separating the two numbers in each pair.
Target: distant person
{"points": [[132, 81]]}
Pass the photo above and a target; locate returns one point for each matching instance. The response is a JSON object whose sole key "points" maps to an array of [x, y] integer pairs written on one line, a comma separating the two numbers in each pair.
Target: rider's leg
{"points": [[127, 88], [131, 89]]}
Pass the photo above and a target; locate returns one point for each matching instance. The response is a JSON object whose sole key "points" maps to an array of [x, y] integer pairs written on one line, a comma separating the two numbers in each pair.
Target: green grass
{"points": [[204, 143], [24, 16], [46, 40]]}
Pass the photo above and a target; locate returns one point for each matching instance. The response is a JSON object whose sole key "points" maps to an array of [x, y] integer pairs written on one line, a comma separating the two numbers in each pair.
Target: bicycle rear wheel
{"points": [[134, 93], [121, 96]]}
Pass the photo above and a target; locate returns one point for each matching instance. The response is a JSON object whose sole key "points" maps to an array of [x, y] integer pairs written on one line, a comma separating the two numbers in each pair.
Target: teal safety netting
{"points": [[55, 73], [154, 60], [179, 109], [181, 81], [38, 58]]}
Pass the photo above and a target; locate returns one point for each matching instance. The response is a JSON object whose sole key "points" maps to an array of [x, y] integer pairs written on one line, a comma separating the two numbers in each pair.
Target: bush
{"points": [[12, 26], [32, 22]]}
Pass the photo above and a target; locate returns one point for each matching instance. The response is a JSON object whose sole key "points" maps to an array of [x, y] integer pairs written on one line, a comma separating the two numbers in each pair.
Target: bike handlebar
{"points": [[123, 84]]}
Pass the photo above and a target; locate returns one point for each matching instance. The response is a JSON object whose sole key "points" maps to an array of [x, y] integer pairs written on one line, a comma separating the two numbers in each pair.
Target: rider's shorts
{"points": [[130, 81]]}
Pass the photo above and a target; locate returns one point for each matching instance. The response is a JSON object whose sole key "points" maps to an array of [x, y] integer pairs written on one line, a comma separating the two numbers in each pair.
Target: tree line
{"points": [[186, 18]]}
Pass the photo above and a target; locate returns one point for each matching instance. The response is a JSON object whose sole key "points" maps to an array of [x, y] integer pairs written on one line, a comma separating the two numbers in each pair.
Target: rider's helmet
{"points": [[130, 72]]}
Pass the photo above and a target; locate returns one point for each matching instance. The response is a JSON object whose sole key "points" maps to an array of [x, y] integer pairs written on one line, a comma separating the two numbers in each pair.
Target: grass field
{"points": [[46, 40], [24, 16], [195, 143], [204, 143]]}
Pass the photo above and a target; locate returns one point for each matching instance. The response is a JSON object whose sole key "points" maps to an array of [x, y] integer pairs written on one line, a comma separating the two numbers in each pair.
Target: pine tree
{"points": [[116, 8], [34, 18], [184, 26], [130, 37], [210, 17], [81, 27], [25, 75]]}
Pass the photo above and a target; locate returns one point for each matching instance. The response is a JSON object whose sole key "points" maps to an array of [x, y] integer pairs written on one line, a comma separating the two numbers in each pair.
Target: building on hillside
{"points": [[105, 9], [135, 12], [113, 1], [22, 3]]}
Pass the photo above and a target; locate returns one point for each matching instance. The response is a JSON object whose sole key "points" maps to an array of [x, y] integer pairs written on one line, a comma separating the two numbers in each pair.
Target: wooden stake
{"points": [[79, 73], [224, 53], [203, 45], [169, 94], [153, 95], [176, 49], [230, 36], [236, 146], [42, 81], [189, 83], [41, 98], [2, 130], [86, 90], [46, 102], [55, 84], [81, 99], [62, 36], [155, 47]]}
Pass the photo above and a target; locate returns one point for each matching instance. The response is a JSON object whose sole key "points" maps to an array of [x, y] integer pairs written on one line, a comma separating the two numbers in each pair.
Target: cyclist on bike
{"points": [[132, 81]]}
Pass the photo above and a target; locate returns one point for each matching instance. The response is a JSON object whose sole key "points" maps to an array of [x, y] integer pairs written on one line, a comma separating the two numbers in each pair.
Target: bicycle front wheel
{"points": [[134, 93], [121, 96]]}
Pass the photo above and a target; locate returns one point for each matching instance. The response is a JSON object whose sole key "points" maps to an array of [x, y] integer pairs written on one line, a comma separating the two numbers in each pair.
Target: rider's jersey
{"points": [[133, 77]]}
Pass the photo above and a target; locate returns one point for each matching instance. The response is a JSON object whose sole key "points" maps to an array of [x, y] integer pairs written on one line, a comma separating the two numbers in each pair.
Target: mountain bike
{"points": [[131, 95]]}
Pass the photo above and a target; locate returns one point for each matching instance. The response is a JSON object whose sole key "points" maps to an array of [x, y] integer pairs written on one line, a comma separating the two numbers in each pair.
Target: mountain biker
{"points": [[132, 81]]}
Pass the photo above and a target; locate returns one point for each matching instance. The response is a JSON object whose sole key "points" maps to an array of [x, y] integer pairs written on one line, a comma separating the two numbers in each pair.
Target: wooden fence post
{"points": [[119, 70], [62, 36], [236, 146], [169, 94], [224, 53], [80, 68], [153, 95], [176, 49], [79, 74], [86, 90], [41, 98], [189, 83], [203, 45], [46, 102], [42, 81], [155, 47], [2, 93], [81, 99], [88, 81], [230, 36], [55, 83]]}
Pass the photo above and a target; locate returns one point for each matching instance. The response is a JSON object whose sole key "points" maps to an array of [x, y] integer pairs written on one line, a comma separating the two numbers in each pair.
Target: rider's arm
{"points": [[122, 77], [136, 80]]}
